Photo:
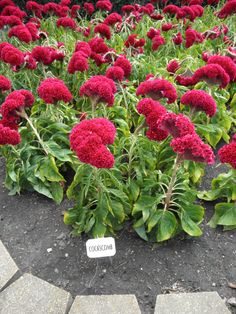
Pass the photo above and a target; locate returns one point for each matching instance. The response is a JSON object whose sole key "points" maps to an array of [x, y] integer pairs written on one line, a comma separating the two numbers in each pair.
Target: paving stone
{"points": [[191, 303], [105, 304], [7, 266], [31, 295]]}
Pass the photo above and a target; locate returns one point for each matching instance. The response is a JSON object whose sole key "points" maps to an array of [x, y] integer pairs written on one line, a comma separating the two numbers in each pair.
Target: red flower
{"points": [[88, 140], [186, 12], [30, 62], [33, 29], [228, 9], [4, 3], [171, 9], [46, 55], [11, 55], [226, 63], [157, 41], [99, 60], [192, 37], [127, 9], [177, 125], [74, 10], [132, 41], [83, 47], [99, 88], [158, 88], [124, 63], [115, 73], [212, 74], [9, 20], [8, 136], [104, 30], [5, 83], [153, 32], [177, 39], [227, 154], [104, 5], [78, 63], [66, 22], [98, 45], [173, 66], [10, 10], [191, 147], [89, 8], [200, 100], [166, 27], [156, 17], [53, 90], [112, 19], [197, 9], [10, 122], [21, 32], [34, 7], [147, 105]]}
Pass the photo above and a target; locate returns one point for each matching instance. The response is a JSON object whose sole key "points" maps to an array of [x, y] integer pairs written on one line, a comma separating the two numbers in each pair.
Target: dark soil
{"points": [[30, 225]]}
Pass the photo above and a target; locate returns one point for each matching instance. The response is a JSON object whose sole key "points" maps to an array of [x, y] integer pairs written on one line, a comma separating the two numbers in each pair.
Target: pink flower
{"points": [[52, 90], [157, 41], [11, 55], [115, 73], [66, 22], [191, 147], [84, 48], [177, 39], [104, 5], [89, 8], [226, 63], [98, 45], [112, 19], [156, 89], [124, 63], [200, 100], [212, 74], [192, 37], [173, 66], [228, 9], [99, 88]]}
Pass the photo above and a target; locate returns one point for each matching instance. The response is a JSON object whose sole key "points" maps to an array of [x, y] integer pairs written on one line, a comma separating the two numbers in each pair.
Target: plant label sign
{"points": [[101, 247]]}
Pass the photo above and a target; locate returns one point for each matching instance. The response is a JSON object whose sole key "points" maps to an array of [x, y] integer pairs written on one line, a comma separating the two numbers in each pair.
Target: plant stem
{"points": [[94, 102], [124, 96], [24, 115], [177, 163]]}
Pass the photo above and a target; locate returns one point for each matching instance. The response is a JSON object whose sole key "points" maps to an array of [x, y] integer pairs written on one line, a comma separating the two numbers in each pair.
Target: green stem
{"points": [[168, 196]]}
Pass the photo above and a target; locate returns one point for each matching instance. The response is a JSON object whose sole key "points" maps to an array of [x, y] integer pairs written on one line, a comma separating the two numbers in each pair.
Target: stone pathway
{"points": [[31, 295]]}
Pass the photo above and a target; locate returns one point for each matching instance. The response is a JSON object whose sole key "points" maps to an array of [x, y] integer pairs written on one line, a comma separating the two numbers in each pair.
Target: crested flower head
{"points": [[89, 8], [5, 83], [115, 73], [226, 63], [98, 45], [78, 62], [173, 66], [200, 101], [191, 147], [99, 88], [84, 48], [11, 55], [104, 30], [213, 74], [124, 63], [228, 9], [104, 5], [227, 154], [8, 136], [66, 22], [52, 90], [112, 19], [157, 89]]}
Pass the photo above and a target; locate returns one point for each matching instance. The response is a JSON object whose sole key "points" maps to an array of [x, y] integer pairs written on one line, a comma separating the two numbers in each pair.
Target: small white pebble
{"points": [[49, 250], [66, 255]]}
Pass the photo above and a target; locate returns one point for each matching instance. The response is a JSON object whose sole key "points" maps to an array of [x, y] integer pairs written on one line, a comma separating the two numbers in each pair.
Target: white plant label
{"points": [[101, 247]]}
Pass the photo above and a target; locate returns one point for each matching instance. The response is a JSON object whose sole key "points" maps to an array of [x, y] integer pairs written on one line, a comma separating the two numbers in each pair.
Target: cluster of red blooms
{"points": [[26, 33], [226, 63], [173, 66], [5, 84], [99, 88], [190, 12], [53, 90], [157, 39], [79, 59], [227, 153], [157, 89], [46, 55], [228, 9], [66, 22], [112, 19], [199, 100], [133, 41], [153, 111], [104, 30], [11, 55], [98, 50], [89, 139], [192, 37]]}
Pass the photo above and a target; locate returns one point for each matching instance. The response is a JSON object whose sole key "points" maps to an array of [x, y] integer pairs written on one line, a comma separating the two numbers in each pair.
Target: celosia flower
{"points": [[157, 41], [53, 90], [191, 147], [98, 45], [74, 10], [156, 16], [177, 125], [228, 9], [78, 62], [124, 63], [186, 12], [9, 20], [173, 66], [66, 22], [156, 89], [46, 55], [99, 88], [177, 39], [4, 3], [104, 5], [30, 62], [197, 9], [11, 55], [33, 29], [89, 8], [112, 19], [35, 8], [146, 9], [103, 29], [213, 74], [10, 10], [5, 83], [200, 101], [8, 136], [133, 41], [127, 9], [10, 122], [84, 48], [171, 9], [88, 140], [166, 27], [153, 32], [21, 32], [192, 37], [99, 60], [115, 73], [227, 154], [226, 63]]}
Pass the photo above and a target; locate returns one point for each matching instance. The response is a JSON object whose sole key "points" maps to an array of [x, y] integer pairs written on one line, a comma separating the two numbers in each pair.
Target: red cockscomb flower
{"points": [[11, 55], [9, 20], [46, 55], [99, 88], [21, 32], [8, 136], [191, 147], [115, 73], [157, 41], [10, 10], [74, 10], [104, 30], [98, 45], [228, 9], [53, 90], [177, 125], [156, 89], [104, 5], [192, 37], [226, 63], [112, 19], [124, 63], [213, 74], [127, 9], [200, 101], [83, 47], [89, 8], [227, 154], [166, 27], [5, 84], [10, 122], [173, 66], [153, 32], [66, 22], [4, 3], [171, 9], [35, 8], [133, 41], [78, 62]]}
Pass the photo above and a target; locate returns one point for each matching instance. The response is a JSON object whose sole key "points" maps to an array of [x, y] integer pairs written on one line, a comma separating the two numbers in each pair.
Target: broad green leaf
{"points": [[189, 226], [49, 170], [78, 177], [57, 192], [144, 202], [118, 210], [70, 217], [153, 220], [141, 232], [229, 217], [134, 191], [166, 226], [99, 230]]}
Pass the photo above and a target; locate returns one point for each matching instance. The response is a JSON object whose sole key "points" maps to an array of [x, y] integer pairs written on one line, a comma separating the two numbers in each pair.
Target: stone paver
{"points": [[105, 304], [31, 295], [191, 303], [7, 266]]}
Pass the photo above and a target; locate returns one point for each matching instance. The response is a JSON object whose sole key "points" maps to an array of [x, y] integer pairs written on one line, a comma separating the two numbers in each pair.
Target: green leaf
{"points": [[134, 191], [153, 220], [141, 232], [58, 152], [229, 217], [49, 170], [219, 211], [57, 192], [89, 224], [118, 210], [42, 189], [145, 202], [166, 226], [99, 230], [70, 217], [189, 226], [72, 192]]}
